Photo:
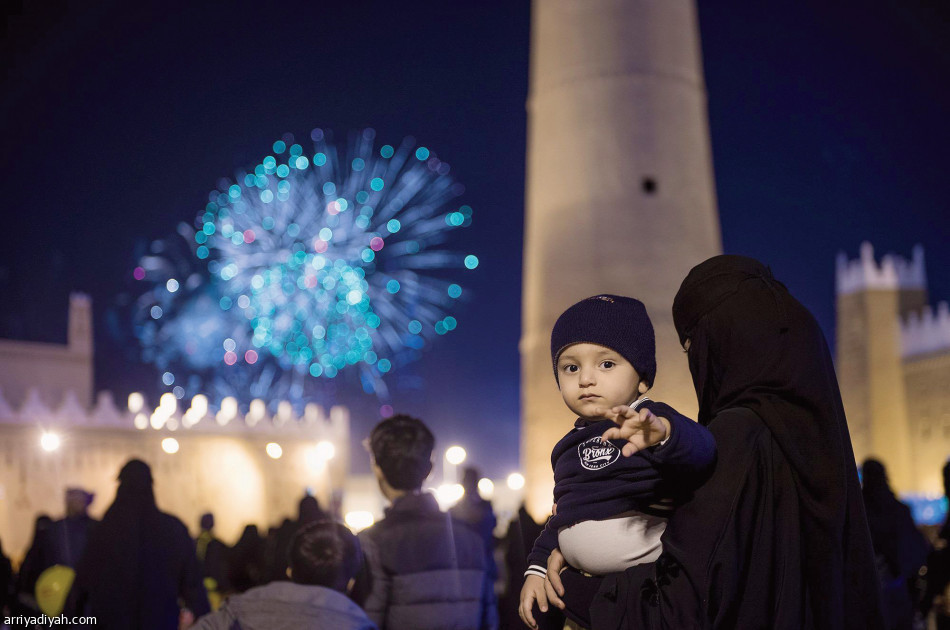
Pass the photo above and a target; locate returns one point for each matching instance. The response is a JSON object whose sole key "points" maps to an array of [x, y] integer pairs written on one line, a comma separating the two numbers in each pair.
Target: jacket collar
{"points": [[414, 502]]}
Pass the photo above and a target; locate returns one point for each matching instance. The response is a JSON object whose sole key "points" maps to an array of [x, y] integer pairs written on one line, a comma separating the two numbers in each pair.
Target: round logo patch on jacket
{"points": [[596, 454]]}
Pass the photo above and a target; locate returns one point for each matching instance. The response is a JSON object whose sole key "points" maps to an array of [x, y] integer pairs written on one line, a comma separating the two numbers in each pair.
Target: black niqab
{"points": [[754, 346]]}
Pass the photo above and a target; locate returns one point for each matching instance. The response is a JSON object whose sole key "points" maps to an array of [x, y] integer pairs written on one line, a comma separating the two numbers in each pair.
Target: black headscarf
{"points": [[753, 345], [114, 563], [138, 561], [893, 532]]}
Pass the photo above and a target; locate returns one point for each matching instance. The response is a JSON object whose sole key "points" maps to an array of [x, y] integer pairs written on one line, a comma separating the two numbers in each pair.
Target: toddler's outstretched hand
{"points": [[640, 429], [531, 592]]}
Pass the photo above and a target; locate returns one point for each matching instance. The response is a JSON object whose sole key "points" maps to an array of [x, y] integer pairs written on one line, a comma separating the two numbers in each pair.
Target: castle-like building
{"points": [[246, 468], [893, 364]]}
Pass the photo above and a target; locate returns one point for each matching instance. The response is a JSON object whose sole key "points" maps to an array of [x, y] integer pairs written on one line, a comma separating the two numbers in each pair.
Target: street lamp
{"points": [[136, 402], [454, 455], [358, 520], [516, 481], [49, 441]]}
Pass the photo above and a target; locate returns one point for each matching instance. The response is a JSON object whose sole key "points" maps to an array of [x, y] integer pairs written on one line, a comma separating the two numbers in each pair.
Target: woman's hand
{"points": [[552, 585], [532, 591], [640, 429]]}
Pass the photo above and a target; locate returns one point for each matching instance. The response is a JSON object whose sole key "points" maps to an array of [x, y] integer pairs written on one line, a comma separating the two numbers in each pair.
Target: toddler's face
{"points": [[593, 376]]}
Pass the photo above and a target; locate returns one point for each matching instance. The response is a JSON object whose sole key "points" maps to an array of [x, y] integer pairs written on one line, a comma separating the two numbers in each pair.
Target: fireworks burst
{"points": [[306, 265]]}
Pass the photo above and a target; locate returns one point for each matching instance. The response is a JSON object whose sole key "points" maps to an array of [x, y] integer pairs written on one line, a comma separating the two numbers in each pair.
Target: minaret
{"points": [[871, 299], [80, 343], [620, 195]]}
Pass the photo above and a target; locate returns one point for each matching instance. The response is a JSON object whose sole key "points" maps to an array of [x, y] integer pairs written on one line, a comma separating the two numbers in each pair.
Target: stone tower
{"points": [[620, 195], [872, 299]]}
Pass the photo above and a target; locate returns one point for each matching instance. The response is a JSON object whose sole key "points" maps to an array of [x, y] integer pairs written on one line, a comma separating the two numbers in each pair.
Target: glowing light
{"points": [[455, 455], [136, 402], [274, 451], [157, 419], [168, 378], [325, 450], [292, 245], [140, 421], [229, 410], [199, 407], [385, 411], [168, 404], [449, 494], [170, 445], [358, 520], [486, 488], [471, 261], [49, 441], [256, 413], [516, 481]]}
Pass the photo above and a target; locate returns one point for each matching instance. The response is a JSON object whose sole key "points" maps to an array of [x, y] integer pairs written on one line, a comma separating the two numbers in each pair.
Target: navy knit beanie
{"points": [[616, 322]]}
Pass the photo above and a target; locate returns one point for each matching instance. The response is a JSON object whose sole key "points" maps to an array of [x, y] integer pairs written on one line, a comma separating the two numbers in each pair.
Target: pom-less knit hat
{"points": [[616, 322]]}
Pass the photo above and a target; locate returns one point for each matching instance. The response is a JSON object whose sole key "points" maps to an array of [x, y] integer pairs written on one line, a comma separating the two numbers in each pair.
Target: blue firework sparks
{"points": [[314, 263]]}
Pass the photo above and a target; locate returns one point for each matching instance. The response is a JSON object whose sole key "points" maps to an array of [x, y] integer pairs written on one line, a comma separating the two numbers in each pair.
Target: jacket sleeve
{"points": [[688, 457], [543, 546], [373, 586], [489, 605], [220, 620]]}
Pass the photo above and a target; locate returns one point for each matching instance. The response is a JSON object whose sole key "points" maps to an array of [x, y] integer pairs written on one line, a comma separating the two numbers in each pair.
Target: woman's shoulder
{"points": [[738, 429]]}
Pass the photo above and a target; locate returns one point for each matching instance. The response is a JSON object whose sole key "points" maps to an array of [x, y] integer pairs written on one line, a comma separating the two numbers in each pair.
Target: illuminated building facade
{"points": [[246, 468], [893, 364]]}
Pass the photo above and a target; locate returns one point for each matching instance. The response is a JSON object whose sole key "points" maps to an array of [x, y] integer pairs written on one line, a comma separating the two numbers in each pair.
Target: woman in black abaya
{"points": [[777, 538], [138, 562]]}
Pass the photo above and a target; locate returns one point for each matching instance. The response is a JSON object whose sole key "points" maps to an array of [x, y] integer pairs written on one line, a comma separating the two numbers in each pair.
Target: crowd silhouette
{"points": [[139, 568]]}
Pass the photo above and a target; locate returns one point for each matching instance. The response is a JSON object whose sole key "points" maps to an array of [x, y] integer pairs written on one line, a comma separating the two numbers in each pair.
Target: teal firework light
{"points": [[317, 262]]}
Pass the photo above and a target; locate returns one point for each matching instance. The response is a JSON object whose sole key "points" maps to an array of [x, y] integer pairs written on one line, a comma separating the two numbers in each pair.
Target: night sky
{"points": [[829, 127]]}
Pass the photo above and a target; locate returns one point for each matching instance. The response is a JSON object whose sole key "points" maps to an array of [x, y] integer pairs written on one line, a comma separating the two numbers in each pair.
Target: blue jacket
{"points": [[594, 481], [287, 606], [424, 571]]}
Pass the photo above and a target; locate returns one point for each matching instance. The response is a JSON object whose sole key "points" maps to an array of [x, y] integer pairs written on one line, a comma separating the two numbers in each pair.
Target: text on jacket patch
{"points": [[596, 454]]}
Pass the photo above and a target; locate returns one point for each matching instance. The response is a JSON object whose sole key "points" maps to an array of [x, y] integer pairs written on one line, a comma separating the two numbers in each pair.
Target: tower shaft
{"points": [[620, 195]]}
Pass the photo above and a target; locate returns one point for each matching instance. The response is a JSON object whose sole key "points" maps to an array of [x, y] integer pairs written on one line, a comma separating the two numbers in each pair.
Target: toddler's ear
{"points": [[643, 387]]}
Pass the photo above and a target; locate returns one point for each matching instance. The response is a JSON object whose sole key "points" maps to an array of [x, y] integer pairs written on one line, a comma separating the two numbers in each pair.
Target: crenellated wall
{"points": [[926, 331], [893, 363], [221, 464]]}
